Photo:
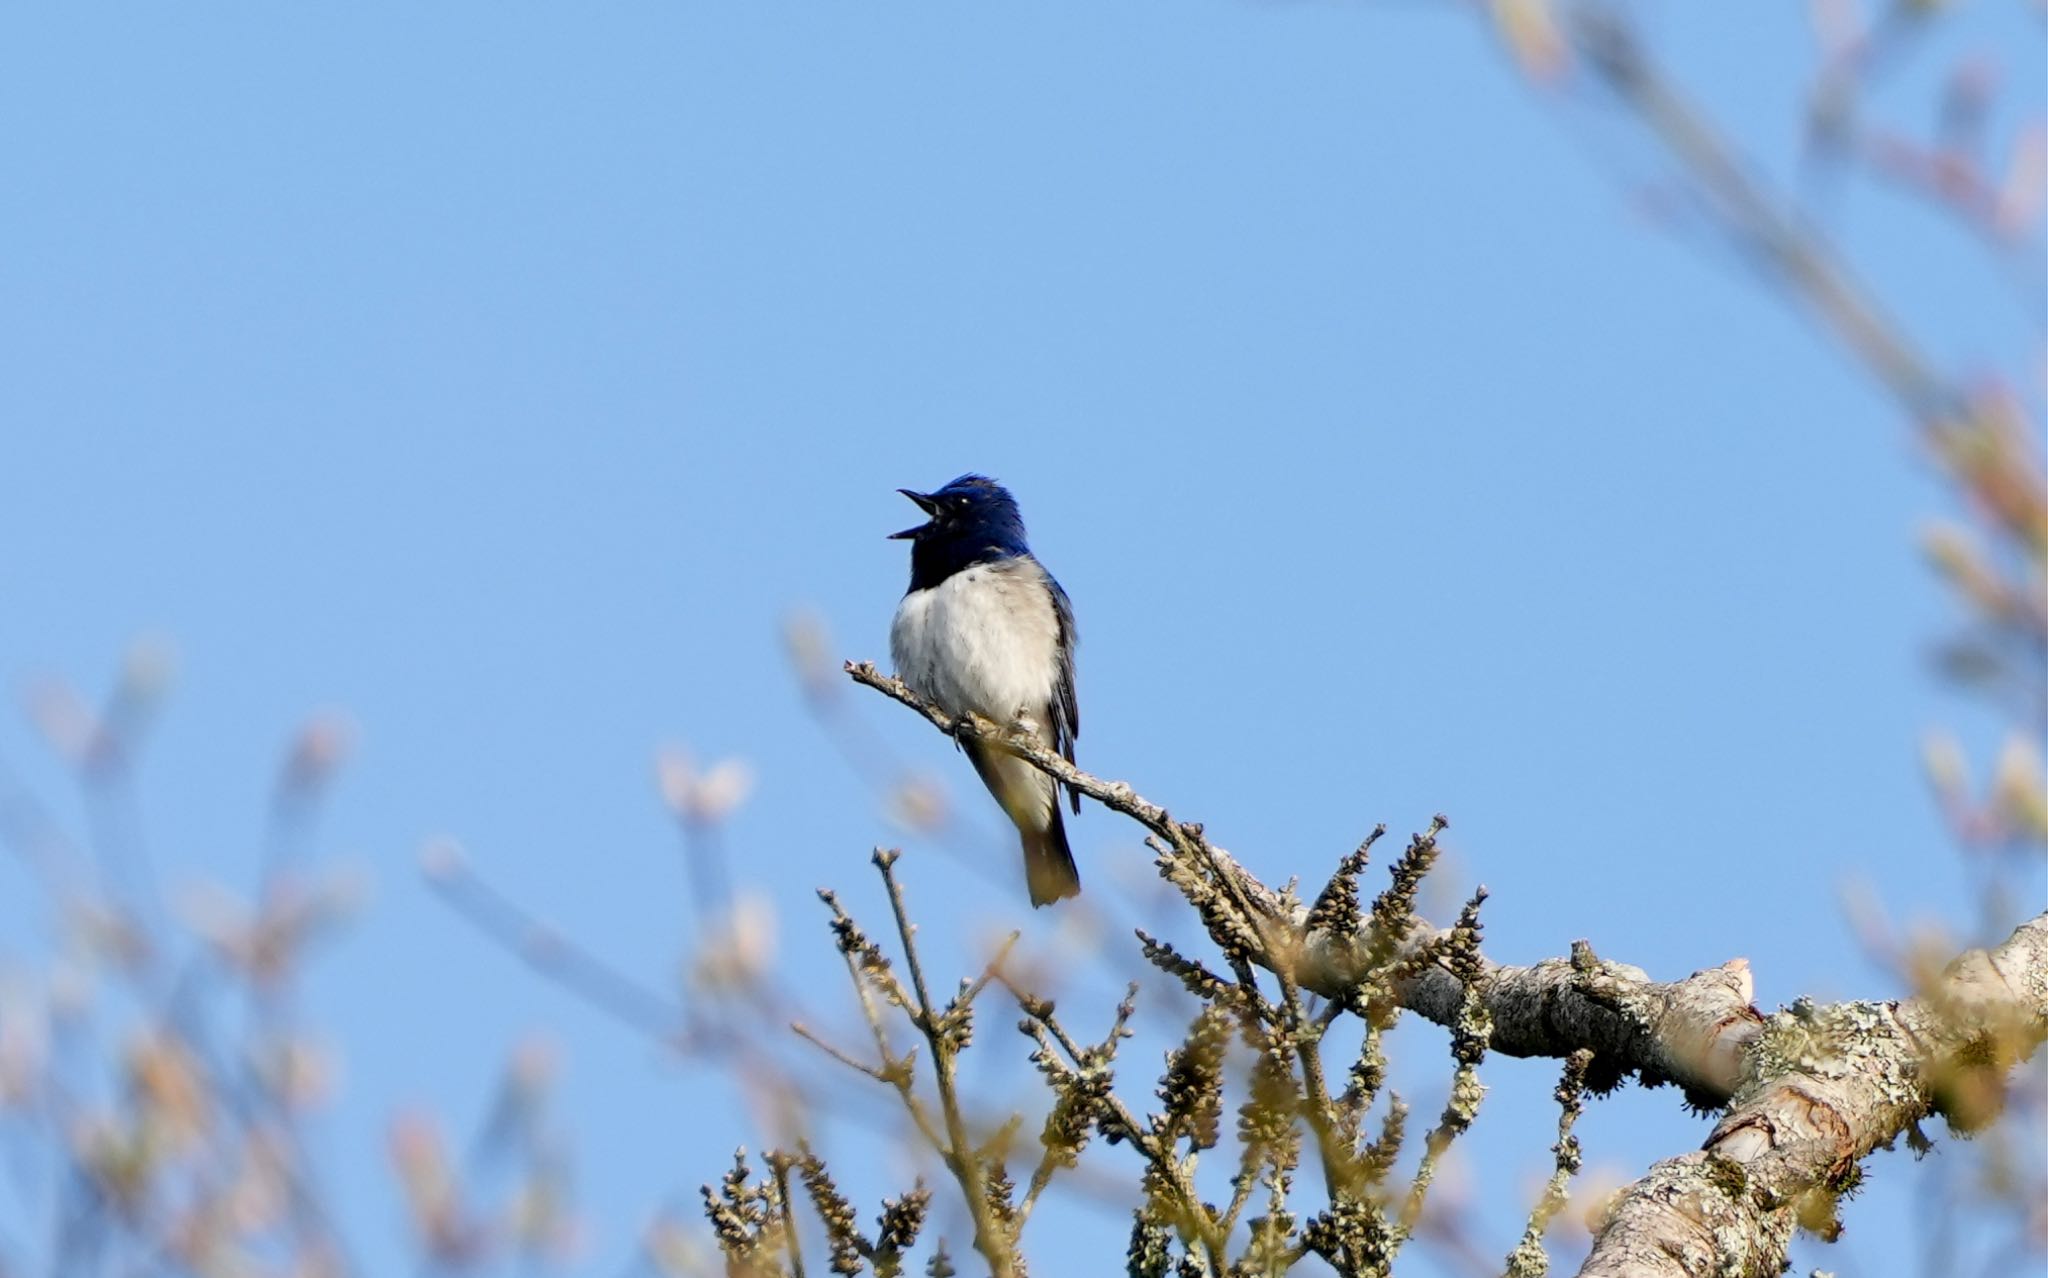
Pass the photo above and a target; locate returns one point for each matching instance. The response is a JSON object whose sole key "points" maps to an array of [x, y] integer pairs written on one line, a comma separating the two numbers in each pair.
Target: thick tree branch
{"points": [[1823, 1087], [1691, 1032]]}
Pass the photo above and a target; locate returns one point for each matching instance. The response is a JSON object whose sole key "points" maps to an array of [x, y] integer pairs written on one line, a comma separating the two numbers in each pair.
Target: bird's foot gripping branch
{"points": [[1807, 1093]]}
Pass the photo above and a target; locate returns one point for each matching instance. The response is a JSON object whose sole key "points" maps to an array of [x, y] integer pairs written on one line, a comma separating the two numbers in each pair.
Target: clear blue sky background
{"points": [[504, 374]]}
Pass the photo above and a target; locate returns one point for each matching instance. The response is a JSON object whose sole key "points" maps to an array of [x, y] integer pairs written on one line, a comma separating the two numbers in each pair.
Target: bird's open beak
{"points": [[924, 503]]}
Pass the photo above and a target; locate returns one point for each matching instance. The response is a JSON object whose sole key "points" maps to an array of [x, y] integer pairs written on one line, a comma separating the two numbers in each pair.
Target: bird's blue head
{"points": [[974, 520]]}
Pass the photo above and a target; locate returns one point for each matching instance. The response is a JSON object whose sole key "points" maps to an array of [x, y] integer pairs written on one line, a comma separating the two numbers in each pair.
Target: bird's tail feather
{"points": [[1032, 803], [1049, 863]]}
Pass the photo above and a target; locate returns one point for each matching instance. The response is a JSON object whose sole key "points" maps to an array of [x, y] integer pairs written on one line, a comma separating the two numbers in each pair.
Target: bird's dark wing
{"points": [[1066, 710]]}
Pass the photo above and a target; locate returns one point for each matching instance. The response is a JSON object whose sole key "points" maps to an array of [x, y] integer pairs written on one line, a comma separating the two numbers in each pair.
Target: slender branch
{"points": [[897, 1071], [940, 1036], [1118, 1122], [1469, 1036], [1084, 1098], [1529, 1260], [1241, 1186], [778, 1166], [805, 1033]]}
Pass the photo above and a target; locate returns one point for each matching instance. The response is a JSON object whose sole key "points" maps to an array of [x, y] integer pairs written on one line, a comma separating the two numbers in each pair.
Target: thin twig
{"points": [[1529, 1260], [804, 1032], [779, 1166], [959, 1154]]}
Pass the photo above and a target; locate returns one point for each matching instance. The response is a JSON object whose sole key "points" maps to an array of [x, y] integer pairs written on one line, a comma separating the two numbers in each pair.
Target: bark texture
{"points": [[1691, 1032], [1821, 1088]]}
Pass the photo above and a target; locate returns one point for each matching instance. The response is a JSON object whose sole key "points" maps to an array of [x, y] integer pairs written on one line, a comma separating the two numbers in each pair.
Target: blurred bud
{"points": [[61, 715], [72, 990], [2020, 195], [724, 788], [918, 803], [704, 798], [533, 1066], [1957, 556], [432, 1195], [1529, 29], [1838, 24], [738, 951], [442, 860], [265, 946], [672, 773], [1942, 756], [2017, 789], [1451, 1194], [319, 748], [672, 1251], [540, 1219], [341, 894], [1925, 955], [199, 1237], [147, 668], [297, 1071], [171, 1089], [1599, 1188], [1991, 449], [810, 654], [218, 917], [24, 1041], [416, 1149], [118, 1160], [258, 1196], [107, 933]]}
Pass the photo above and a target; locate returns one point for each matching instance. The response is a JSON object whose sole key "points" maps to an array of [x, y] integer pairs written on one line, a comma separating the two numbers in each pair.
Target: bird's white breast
{"points": [[985, 639]]}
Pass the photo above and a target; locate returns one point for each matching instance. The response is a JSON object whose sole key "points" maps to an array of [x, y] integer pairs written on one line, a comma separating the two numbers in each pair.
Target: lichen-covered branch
{"points": [[1809, 1092], [1821, 1088], [946, 1030], [1690, 1032], [1528, 1259]]}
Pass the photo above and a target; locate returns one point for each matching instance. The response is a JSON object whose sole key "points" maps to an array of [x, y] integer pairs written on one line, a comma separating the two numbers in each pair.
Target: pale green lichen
{"points": [[1858, 1040]]}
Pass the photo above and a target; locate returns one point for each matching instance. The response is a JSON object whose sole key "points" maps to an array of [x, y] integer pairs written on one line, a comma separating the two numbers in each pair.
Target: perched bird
{"points": [[985, 628]]}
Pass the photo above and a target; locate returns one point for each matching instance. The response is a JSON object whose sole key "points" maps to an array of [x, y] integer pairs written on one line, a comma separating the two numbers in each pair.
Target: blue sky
{"points": [[503, 377]]}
